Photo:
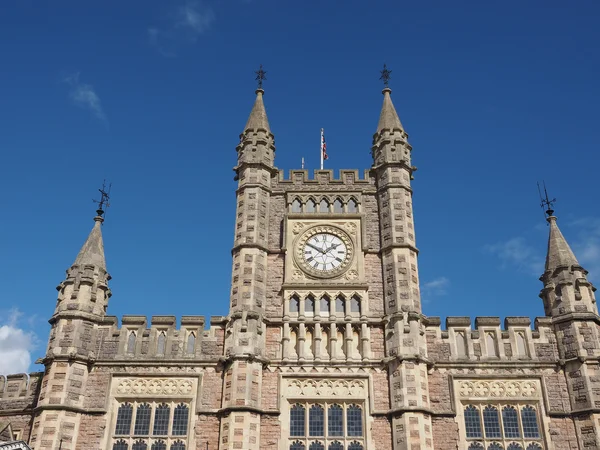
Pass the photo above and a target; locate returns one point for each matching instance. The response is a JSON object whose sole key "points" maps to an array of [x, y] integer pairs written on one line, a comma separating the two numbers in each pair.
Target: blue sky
{"points": [[152, 96]]}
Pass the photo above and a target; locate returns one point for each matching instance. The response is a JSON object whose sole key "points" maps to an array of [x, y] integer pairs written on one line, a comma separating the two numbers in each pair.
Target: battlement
{"points": [[163, 338], [20, 386], [325, 177], [487, 340]]}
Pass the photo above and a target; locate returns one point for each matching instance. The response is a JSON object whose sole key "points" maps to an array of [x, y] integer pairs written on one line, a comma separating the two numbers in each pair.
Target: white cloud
{"points": [[185, 23], [518, 253], [434, 288], [195, 19], [84, 96], [16, 345]]}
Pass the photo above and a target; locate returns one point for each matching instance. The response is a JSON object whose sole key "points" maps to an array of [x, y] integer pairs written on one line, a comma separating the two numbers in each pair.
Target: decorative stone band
{"points": [[325, 388], [154, 386], [481, 389]]}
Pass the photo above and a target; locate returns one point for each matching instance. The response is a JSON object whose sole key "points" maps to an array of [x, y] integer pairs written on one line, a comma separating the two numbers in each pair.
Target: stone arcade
{"points": [[325, 347]]}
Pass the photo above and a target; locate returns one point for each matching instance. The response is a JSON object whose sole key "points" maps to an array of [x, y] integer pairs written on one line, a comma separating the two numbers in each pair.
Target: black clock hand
{"points": [[333, 247], [320, 250]]}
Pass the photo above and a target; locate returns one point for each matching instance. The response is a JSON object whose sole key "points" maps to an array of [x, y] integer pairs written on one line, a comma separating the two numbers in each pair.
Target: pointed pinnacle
{"points": [[388, 119], [258, 115], [92, 252], [559, 251]]}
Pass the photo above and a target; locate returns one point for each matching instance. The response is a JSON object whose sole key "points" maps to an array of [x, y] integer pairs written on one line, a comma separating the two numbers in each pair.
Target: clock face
{"points": [[324, 251]]}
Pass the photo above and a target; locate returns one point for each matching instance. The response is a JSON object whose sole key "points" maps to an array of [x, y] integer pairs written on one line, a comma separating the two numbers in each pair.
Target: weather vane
{"points": [[546, 203], [261, 75], [385, 75], [104, 199]]}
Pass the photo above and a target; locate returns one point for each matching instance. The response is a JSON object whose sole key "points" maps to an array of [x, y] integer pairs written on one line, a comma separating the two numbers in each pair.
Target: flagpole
{"points": [[321, 148]]}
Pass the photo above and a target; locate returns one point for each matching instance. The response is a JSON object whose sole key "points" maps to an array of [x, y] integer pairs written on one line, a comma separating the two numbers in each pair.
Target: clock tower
{"points": [[325, 305]]}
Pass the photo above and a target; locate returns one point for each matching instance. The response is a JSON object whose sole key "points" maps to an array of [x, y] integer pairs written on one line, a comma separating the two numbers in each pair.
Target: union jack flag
{"points": [[323, 146]]}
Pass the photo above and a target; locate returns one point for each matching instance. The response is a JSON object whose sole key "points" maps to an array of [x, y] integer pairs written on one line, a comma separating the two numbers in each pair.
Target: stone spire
{"points": [[92, 252], [559, 253], [258, 115], [388, 119]]}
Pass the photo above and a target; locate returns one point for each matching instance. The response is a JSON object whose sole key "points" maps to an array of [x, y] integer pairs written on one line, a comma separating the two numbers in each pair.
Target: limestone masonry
{"points": [[325, 347]]}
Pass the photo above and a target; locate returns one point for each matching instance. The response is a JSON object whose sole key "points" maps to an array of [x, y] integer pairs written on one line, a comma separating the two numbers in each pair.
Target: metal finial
{"points": [[546, 203], [104, 199], [261, 75], [385, 75]]}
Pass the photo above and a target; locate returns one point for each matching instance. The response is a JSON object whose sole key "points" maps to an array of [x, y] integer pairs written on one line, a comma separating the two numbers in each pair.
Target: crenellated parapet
{"points": [[488, 341], [19, 392], [161, 338], [348, 179]]}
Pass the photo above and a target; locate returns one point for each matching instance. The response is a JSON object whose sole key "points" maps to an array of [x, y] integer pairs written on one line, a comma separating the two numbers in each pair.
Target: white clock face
{"points": [[324, 252]]}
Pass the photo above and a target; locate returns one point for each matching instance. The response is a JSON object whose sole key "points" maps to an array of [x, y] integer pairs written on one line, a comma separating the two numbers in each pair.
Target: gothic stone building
{"points": [[326, 346]]}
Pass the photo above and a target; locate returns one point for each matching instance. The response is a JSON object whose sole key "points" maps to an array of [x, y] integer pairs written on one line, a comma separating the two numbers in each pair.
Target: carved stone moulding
{"points": [[154, 386], [325, 387], [506, 389]]}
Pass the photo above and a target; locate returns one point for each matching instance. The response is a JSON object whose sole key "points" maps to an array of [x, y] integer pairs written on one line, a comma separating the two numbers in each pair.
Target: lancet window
{"points": [[331, 426], [509, 426], [157, 426]]}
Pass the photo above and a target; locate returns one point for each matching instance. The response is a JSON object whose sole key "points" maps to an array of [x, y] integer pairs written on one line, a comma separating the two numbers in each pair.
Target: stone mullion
{"points": [[301, 338], [365, 338], [286, 341], [348, 341], [333, 342], [317, 341]]}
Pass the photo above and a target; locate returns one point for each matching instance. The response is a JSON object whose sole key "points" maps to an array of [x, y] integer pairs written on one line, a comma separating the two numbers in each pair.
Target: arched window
{"points": [[514, 446], [139, 445], [162, 343], [530, 423], [335, 421], [161, 420], [491, 422], [475, 446], [490, 342], [355, 304], [338, 206], [297, 421], [316, 446], [324, 206], [124, 416], [534, 446], [296, 206], [131, 343], [472, 422], [294, 304], [159, 445], [180, 420], [355, 446], [178, 445], [336, 445], [310, 206], [191, 344], [461, 344], [309, 305], [354, 421], [510, 420], [352, 206], [339, 305], [324, 306], [120, 445], [297, 446], [494, 446], [316, 421], [142, 420], [521, 346]]}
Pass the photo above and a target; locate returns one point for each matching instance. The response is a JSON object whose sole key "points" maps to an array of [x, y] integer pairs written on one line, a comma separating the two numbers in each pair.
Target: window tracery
{"points": [[332, 426], [504, 426], [154, 428]]}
